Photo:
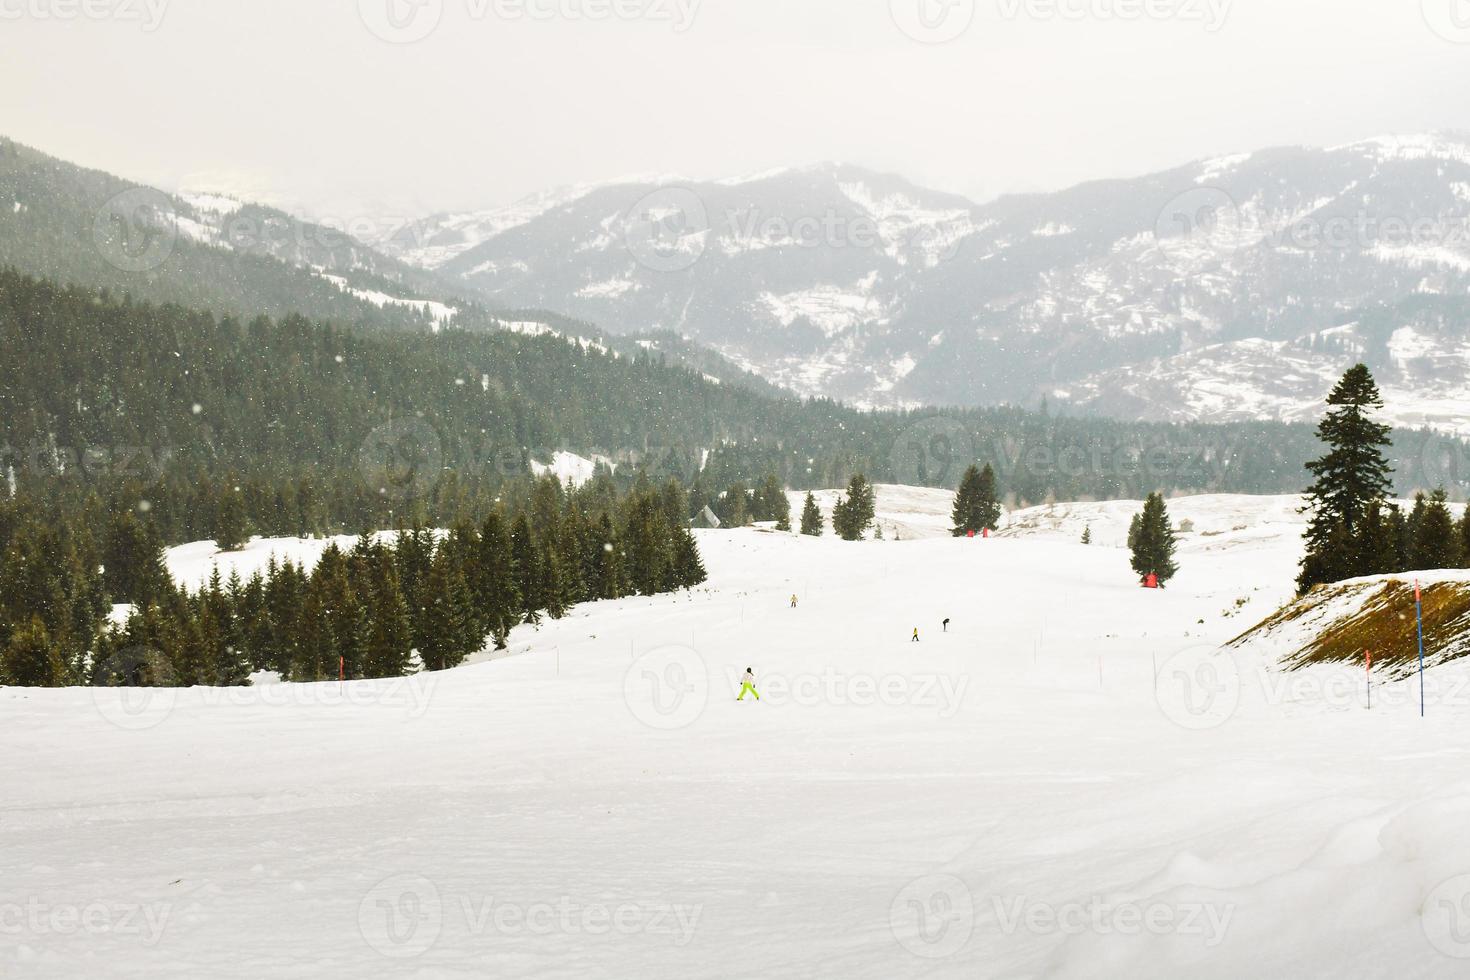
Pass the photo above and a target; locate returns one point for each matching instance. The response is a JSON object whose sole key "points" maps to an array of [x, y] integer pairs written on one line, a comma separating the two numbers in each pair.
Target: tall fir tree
{"points": [[688, 566], [1152, 541], [388, 651], [230, 525], [497, 596], [526, 557], [977, 502], [1349, 478], [733, 508], [854, 514], [811, 517], [773, 504], [607, 561], [450, 633]]}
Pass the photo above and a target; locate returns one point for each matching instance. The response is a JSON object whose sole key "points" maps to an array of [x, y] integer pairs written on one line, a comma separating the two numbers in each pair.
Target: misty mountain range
{"points": [[1225, 290]]}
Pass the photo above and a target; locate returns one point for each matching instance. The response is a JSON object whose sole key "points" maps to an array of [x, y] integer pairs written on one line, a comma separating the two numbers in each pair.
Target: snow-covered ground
{"points": [[1069, 783]]}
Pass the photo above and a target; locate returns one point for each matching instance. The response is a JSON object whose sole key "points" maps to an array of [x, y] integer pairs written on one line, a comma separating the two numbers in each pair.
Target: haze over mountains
{"points": [[1231, 288]]}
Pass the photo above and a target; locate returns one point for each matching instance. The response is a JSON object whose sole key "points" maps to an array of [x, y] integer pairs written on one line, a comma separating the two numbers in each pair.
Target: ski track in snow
{"points": [[537, 815]]}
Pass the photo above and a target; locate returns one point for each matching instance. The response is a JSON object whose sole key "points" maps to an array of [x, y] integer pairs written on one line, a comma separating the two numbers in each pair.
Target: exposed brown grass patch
{"points": [[1384, 623]]}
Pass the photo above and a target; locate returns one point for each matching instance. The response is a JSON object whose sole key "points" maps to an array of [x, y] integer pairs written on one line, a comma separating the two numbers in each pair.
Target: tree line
{"points": [[387, 606]]}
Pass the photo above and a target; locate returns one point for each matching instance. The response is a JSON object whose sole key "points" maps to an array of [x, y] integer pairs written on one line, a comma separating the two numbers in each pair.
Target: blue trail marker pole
{"points": [[1419, 614]]}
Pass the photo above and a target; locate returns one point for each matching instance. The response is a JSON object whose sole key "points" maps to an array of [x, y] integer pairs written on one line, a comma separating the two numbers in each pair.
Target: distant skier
{"points": [[793, 601], [916, 635], [747, 683], [946, 625]]}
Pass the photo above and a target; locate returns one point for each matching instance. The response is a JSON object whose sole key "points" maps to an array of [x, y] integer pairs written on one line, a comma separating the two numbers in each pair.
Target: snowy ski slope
{"points": [[1069, 784]]}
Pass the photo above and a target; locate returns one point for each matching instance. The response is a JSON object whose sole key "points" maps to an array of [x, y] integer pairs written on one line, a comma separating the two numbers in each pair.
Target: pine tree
{"points": [[497, 596], [607, 561], [449, 623], [1352, 475], [389, 642], [1379, 543], [133, 561], [347, 614], [1152, 541], [285, 595], [853, 515], [414, 552], [1436, 541], [811, 517], [773, 503], [526, 558], [555, 576], [30, 659], [977, 504], [734, 507], [230, 525], [648, 546], [1464, 530], [688, 566]]}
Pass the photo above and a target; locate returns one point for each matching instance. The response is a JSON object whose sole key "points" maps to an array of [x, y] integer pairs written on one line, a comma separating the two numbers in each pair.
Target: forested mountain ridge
{"points": [[87, 371]]}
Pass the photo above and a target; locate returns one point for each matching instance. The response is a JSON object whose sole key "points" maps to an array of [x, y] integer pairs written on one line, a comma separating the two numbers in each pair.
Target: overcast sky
{"points": [[346, 106]]}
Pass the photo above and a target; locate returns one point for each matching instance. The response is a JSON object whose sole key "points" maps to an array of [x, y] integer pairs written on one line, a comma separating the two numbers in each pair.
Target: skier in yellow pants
{"points": [[747, 683]]}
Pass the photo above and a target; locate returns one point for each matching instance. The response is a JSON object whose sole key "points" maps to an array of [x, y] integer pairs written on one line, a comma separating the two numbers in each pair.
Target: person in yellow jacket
{"points": [[747, 683]]}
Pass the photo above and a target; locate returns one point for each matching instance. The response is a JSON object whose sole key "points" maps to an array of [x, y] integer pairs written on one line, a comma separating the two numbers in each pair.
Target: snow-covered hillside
{"points": [[1070, 783]]}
